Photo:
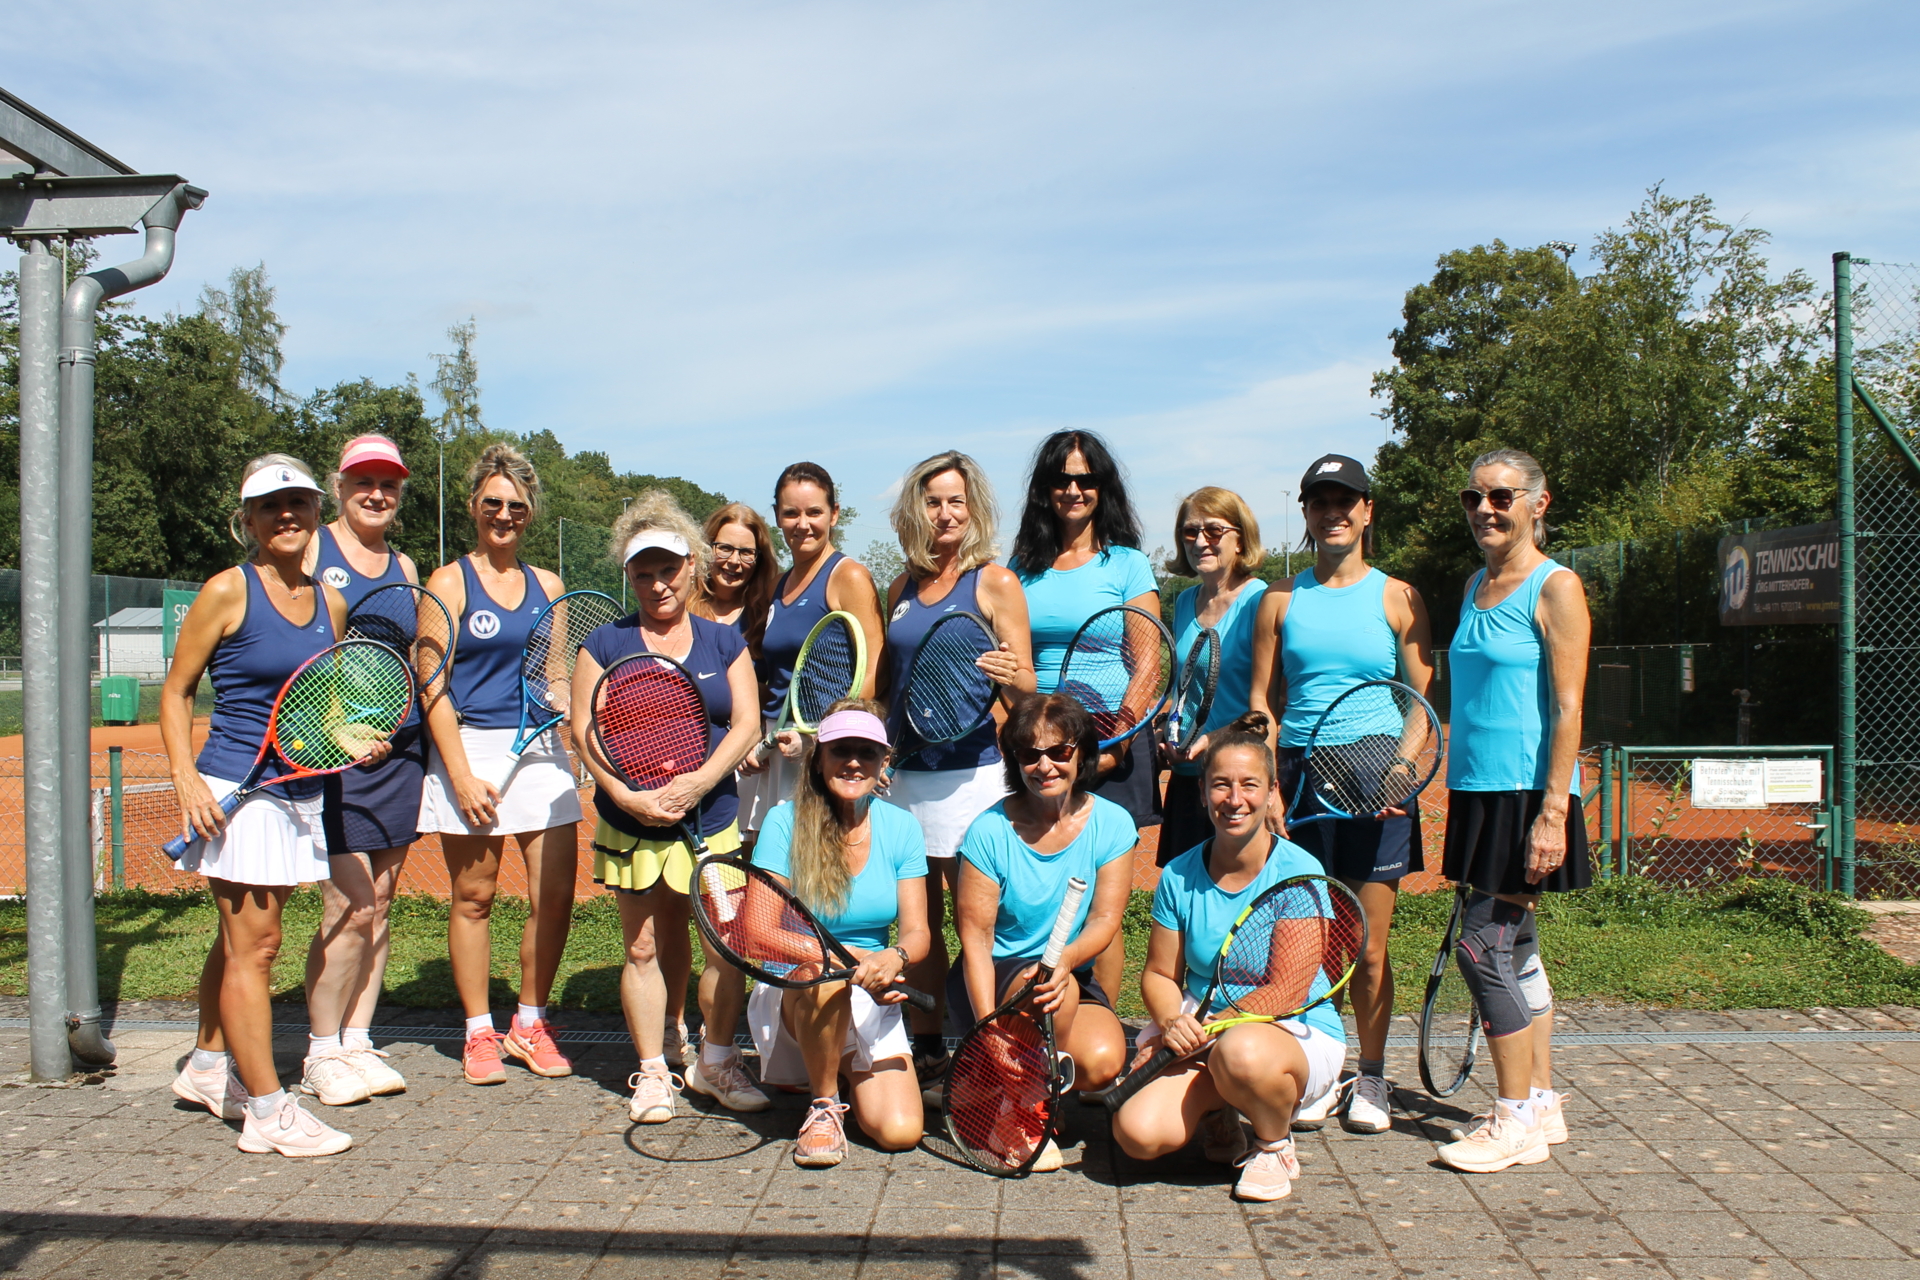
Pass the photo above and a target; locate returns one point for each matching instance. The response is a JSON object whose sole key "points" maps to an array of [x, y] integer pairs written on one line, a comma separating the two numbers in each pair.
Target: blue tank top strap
{"points": [[787, 628], [332, 568], [485, 683], [247, 670], [1331, 639], [909, 625]]}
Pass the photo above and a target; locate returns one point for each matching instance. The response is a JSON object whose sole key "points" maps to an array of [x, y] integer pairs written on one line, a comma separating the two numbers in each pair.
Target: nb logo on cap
{"points": [[1328, 466], [484, 624]]}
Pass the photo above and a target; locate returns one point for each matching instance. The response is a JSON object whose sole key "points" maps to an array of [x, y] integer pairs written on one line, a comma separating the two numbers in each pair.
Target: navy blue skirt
{"points": [[1360, 850], [370, 808]]}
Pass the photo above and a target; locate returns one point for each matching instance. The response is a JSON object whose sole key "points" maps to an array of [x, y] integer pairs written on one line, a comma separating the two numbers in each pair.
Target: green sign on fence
{"points": [[173, 611]]}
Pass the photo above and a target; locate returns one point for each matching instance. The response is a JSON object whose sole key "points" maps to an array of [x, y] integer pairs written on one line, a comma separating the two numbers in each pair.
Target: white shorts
{"points": [[760, 792], [1325, 1054], [540, 793], [877, 1032], [269, 840], [946, 801]]}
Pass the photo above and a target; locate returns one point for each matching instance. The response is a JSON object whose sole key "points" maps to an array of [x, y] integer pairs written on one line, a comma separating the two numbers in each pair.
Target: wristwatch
{"points": [[905, 960]]}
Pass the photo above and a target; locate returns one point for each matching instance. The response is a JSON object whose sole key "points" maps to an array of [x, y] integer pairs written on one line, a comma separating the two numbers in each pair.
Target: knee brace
{"points": [[1529, 972], [1488, 932]]}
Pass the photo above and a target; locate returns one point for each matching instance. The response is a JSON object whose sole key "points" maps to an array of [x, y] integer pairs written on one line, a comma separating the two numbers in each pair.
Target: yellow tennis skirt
{"points": [[637, 863]]}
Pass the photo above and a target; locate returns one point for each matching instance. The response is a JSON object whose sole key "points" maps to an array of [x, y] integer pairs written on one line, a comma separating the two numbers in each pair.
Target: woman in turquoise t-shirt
{"points": [[1217, 540], [1078, 552], [1263, 1071], [861, 868], [1015, 861]]}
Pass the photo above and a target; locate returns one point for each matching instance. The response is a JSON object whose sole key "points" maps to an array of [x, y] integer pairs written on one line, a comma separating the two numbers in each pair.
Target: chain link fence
{"points": [[1886, 340]]}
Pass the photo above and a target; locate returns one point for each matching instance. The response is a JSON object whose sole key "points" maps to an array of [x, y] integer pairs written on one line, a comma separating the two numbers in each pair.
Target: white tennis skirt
{"points": [[760, 792], [1325, 1054], [540, 792], [269, 840], [946, 801], [876, 1032]]}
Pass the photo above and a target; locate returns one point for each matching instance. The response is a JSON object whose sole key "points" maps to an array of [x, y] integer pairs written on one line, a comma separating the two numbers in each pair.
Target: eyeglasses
{"points": [[1068, 479], [491, 507], [1059, 753], [1499, 499], [745, 555], [858, 749], [1212, 531]]}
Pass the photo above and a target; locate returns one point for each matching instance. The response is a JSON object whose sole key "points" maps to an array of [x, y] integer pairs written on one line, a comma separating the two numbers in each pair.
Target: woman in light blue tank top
{"points": [[1518, 666], [945, 518], [1336, 625]]}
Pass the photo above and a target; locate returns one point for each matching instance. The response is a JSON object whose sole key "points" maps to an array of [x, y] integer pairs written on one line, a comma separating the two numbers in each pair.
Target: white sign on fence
{"points": [[1729, 784], [1793, 781]]}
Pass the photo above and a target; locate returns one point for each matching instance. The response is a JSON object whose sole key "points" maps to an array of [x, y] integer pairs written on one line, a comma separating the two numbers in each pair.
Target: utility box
{"points": [[120, 699]]}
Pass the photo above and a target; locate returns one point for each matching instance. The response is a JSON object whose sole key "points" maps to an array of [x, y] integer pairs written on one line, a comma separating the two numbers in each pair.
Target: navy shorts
{"points": [[1358, 849], [960, 1014], [373, 808]]}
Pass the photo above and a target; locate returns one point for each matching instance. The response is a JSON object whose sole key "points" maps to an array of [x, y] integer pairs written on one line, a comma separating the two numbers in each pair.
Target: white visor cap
{"points": [[661, 539], [272, 480]]}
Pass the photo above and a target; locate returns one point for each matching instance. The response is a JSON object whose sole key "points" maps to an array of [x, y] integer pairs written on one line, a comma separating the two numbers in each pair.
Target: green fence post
{"points": [[1622, 812], [114, 792], [1606, 810], [1843, 781]]}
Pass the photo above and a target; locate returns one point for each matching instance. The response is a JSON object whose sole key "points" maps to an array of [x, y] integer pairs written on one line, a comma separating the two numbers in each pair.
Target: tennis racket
{"points": [[327, 716], [650, 726], [832, 665], [1449, 1019], [410, 620], [758, 926], [947, 696], [1375, 747], [546, 671], [1119, 665], [1192, 695], [1291, 950], [1005, 1078]]}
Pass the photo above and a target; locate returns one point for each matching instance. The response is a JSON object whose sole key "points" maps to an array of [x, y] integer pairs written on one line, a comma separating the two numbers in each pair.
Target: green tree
{"points": [[245, 310]]}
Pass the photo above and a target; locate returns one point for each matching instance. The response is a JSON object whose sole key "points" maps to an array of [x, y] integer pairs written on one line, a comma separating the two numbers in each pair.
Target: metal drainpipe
{"points": [[40, 654], [78, 344]]}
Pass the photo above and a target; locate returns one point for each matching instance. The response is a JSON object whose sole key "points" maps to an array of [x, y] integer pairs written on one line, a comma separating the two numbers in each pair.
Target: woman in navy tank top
{"points": [[1515, 830], [945, 518], [473, 713], [1333, 626], [249, 629], [371, 812], [806, 507]]}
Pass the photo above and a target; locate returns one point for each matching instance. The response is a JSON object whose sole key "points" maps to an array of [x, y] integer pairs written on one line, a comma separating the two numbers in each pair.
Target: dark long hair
{"points": [[1114, 522], [806, 473]]}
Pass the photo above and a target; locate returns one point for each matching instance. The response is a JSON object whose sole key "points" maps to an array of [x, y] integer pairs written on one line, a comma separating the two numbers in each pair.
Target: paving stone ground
{"points": [[1734, 1161]]}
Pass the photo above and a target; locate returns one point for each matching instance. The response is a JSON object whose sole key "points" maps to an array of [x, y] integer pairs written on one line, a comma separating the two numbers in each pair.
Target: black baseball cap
{"points": [[1336, 468]]}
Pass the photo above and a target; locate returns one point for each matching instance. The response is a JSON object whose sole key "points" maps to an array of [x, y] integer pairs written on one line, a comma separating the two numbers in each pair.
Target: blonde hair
{"points": [[758, 597], [237, 521], [658, 509], [1530, 471], [336, 477], [910, 520], [1226, 505], [505, 460], [817, 861]]}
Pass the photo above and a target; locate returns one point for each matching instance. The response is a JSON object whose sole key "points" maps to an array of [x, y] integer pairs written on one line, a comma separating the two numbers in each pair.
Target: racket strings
{"points": [[754, 919], [351, 697], [1376, 747], [554, 645], [829, 673], [1291, 950], [999, 1086], [650, 722], [1118, 667], [946, 694]]}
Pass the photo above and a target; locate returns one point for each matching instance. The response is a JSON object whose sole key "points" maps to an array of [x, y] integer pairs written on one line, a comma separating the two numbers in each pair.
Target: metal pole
{"points": [[1623, 813], [117, 794], [1844, 743], [1606, 809], [40, 284], [443, 502]]}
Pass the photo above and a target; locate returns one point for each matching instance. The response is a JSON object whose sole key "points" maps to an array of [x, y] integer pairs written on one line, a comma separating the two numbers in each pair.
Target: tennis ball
{"points": [[299, 745]]}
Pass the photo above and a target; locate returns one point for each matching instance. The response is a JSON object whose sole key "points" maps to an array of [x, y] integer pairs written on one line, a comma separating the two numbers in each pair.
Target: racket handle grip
{"points": [[176, 848], [919, 999], [1063, 924], [1138, 1078]]}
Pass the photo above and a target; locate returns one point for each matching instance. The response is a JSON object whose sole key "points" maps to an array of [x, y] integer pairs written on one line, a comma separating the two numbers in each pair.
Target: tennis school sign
{"points": [[1780, 575]]}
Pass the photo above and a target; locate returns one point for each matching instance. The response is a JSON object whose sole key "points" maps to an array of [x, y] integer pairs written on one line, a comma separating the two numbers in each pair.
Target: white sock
{"points": [[263, 1107], [482, 1023], [356, 1038], [1542, 1097], [321, 1046], [532, 1013], [1522, 1108], [660, 1063], [714, 1054], [207, 1059]]}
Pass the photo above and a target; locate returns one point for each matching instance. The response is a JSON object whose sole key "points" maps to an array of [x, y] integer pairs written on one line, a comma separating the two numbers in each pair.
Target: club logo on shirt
{"points": [[484, 624], [900, 611], [336, 577]]}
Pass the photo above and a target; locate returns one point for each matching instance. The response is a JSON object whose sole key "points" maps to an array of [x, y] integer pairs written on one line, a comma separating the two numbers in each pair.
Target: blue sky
{"points": [[714, 239]]}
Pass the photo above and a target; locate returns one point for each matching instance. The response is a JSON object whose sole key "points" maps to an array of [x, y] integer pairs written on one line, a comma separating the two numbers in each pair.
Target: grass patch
{"points": [[1748, 944]]}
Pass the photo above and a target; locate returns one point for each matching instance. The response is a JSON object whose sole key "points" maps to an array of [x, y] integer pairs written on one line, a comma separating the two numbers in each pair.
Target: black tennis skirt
{"points": [[1135, 784], [1486, 844]]}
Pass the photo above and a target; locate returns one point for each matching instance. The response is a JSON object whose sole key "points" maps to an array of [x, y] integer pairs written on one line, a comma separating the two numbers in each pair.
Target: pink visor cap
{"points": [[853, 724], [372, 449]]}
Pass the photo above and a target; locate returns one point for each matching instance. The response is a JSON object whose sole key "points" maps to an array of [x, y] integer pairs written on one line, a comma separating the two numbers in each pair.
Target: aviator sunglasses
{"points": [[1499, 499], [1059, 753]]}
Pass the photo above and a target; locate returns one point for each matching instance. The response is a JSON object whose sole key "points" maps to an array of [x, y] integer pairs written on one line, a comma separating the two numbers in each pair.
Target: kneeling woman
{"points": [[1016, 859], [861, 868], [1263, 1071]]}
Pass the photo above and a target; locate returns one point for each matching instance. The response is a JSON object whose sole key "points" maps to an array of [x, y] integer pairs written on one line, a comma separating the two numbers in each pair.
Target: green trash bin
{"points": [[120, 699]]}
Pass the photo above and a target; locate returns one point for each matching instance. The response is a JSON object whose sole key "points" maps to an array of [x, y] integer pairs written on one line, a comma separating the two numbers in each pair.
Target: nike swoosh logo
{"points": [[705, 675]]}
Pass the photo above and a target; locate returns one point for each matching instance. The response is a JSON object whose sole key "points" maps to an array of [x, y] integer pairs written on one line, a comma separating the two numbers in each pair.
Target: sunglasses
{"points": [[1059, 753], [1068, 479], [491, 507], [1215, 531], [861, 750], [1499, 499]]}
